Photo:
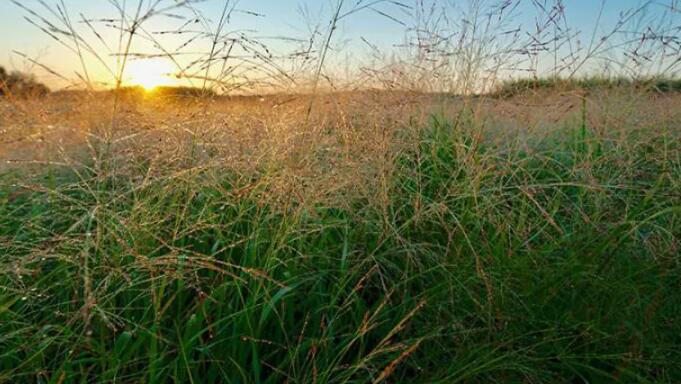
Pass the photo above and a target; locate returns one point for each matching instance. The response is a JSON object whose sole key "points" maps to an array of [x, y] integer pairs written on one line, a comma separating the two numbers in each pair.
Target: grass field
{"points": [[397, 243], [340, 191]]}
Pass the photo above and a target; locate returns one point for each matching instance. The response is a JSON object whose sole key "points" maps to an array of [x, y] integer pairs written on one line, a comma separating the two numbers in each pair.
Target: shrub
{"points": [[519, 86], [20, 84]]}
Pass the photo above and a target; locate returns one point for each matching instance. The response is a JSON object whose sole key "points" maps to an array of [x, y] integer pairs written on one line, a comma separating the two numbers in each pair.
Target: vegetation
{"points": [[320, 225], [472, 263], [19, 84], [183, 92], [519, 86]]}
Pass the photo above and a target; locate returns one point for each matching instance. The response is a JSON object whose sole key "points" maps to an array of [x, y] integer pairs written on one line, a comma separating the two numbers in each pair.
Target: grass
{"points": [[344, 226], [468, 262]]}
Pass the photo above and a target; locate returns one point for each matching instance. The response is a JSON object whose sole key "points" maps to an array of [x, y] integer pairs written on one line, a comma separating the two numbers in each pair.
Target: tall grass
{"points": [[467, 262], [392, 235]]}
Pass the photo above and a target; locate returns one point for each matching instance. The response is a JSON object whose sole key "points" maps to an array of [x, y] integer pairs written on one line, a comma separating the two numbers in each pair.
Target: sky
{"points": [[276, 18]]}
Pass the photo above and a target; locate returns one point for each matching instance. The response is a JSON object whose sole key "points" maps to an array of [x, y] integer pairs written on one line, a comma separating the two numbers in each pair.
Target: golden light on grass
{"points": [[150, 73], [456, 204]]}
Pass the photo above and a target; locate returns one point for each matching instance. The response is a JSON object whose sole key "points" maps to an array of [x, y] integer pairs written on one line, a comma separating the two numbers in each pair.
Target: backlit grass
{"points": [[467, 262]]}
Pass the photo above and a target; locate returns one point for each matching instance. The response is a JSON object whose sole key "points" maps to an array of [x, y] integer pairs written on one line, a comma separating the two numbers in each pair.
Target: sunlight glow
{"points": [[150, 73]]}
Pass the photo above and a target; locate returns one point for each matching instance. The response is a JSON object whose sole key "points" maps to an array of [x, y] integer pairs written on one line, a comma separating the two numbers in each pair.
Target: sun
{"points": [[150, 73]]}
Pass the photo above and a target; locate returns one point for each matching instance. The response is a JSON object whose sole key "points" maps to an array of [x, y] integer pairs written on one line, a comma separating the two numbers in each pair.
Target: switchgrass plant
{"points": [[466, 262], [421, 231]]}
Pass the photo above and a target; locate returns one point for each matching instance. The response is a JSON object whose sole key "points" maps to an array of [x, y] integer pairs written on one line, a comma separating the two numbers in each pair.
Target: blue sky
{"points": [[281, 18]]}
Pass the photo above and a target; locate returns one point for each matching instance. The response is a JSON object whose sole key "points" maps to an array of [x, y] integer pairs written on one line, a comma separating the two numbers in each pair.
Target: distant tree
{"points": [[20, 84], [3, 80]]}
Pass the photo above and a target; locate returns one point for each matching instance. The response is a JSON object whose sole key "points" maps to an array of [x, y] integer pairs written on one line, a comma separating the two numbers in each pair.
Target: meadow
{"points": [[443, 246], [527, 233]]}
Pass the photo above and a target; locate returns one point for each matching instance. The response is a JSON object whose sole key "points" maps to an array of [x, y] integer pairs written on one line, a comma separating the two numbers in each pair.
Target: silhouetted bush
{"points": [[20, 84]]}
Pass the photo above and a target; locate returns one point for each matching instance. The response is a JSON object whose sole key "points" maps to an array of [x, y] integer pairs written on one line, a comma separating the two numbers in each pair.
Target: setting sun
{"points": [[150, 73]]}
